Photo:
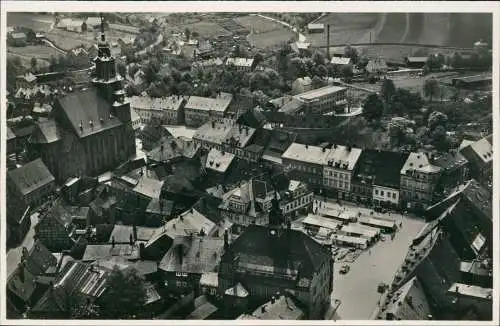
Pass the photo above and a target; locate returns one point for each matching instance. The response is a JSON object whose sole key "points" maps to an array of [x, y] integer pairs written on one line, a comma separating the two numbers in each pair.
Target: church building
{"points": [[90, 130]]}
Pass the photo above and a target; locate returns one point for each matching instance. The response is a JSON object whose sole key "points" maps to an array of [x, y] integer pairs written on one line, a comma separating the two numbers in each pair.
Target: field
{"points": [[258, 24], [208, 29], [70, 40], [393, 29], [271, 40], [37, 22], [26, 61], [34, 51]]}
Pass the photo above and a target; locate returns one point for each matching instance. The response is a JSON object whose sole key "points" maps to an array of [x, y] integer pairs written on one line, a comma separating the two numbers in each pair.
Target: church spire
{"points": [[104, 49]]}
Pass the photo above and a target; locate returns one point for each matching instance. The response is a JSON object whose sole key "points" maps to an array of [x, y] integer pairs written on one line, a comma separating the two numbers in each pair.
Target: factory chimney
{"points": [[328, 42]]}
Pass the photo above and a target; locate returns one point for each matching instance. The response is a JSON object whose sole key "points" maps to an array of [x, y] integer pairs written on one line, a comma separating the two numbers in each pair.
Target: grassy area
{"points": [[26, 61], [34, 51], [37, 22], [259, 24], [394, 28], [271, 40], [350, 20], [208, 29]]}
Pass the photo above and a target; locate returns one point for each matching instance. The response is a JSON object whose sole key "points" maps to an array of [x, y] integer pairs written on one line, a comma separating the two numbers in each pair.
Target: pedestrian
{"points": [[400, 225]]}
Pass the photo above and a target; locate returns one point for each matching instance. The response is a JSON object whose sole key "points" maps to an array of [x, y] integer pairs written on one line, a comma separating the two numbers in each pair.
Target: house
{"points": [[167, 110], [315, 28], [18, 222], [27, 80], [189, 257], [280, 307], [31, 184], [11, 141], [94, 23], [337, 61], [16, 39], [338, 170], [301, 48], [77, 26], [152, 134], [294, 196], [376, 179], [241, 64], [25, 284], [59, 227], [483, 81], [416, 62], [158, 211], [479, 154], [301, 85], [376, 67], [218, 164], [106, 251], [228, 136], [419, 178], [187, 223], [199, 110], [172, 150], [454, 169], [275, 258]]}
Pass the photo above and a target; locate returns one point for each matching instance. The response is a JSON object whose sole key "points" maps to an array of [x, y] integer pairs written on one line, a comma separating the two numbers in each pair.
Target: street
{"points": [[357, 290], [14, 254]]}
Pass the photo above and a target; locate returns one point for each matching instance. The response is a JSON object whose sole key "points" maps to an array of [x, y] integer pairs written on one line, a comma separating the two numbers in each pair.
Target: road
{"points": [[357, 290], [14, 254]]}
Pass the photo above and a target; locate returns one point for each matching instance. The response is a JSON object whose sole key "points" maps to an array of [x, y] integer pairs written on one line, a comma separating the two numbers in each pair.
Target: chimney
{"points": [[141, 250], [180, 254], [131, 239], [226, 240], [112, 242], [263, 309], [81, 126], [134, 232]]}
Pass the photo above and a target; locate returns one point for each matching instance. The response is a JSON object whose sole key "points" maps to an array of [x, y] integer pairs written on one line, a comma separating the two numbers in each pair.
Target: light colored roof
{"points": [[219, 161], [409, 302], [188, 222], [93, 21], [349, 239], [417, 59], [74, 23], [483, 149], [471, 291], [210, 279], [171, 103], [306, 81], [306, 153], [105, 251], [377, 221], [465, 143], [149, 187], [237, 291], [302, 45], [220, 103], [320, 221], [362, 230], [315, 26], [283, 308], [341, 154], [29, 77], [240, 62], [180, 131], [293, 185], [340, 61], [18, 35], [319, 92], [416, 161], [225, 131], [121, 233]]}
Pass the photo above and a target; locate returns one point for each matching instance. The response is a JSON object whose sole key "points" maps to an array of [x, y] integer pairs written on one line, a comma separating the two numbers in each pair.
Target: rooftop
{"points": [[149, 187], [306, 153], [319, 92], [418, 162], [240, 62], [409, 302], [219, 161], [315, 26], [122, 233], [417, 59], [193, 254], [172, 148], [281, 308], [471, 291], [46, 132], [88, 112], [381, 167], [105, 251], [30, 177], [214, 131], [321, 221], [483, 149], [340, 61], [171, 103], [220, 103], [343, 155]]}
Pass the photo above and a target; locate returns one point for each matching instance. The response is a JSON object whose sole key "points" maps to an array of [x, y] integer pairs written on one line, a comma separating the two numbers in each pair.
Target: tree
{"points": [[350, 52], [318, 58], [321, 71], [317, 82], [373, 107], [387, 89], [125, 295], [347, 72], [187, 32], [257, 58], [122, 69], [431, 88], [405, 102], [296, 69], [33, 63], [82, 308], [435, 119]]}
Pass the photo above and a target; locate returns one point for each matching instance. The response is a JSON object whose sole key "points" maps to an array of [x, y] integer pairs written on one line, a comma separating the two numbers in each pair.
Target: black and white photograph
{"points": [[248, 162]]}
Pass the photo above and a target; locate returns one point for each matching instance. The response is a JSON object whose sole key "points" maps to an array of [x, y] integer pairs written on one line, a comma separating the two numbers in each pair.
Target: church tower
{"points": [[106, 79]]}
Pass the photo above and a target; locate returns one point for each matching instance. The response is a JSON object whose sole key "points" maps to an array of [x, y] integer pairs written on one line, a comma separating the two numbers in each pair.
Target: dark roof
{"points": [[474, 79], [84, 106], [193, 254], [409, 302], [10, 134], [383, 166], [252, 118], [30, 176], [294, 248], [172, 148], [64, 214], [46, 132], [155, 208], [16, 211], [24, 131], [449, 160]]}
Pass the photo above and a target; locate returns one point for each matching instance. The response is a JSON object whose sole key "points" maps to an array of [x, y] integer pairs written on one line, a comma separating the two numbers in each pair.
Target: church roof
{"points": [[88, 108]]}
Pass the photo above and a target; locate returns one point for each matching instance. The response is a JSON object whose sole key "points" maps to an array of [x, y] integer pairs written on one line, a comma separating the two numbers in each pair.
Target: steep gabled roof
{"points": [[31, 176]]}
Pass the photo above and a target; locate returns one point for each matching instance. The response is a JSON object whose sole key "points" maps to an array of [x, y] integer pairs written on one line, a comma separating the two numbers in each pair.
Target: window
{"points": [[180, 274], [381, 192], [388, 194], [394, 195], [335, 174], [376, 192]]}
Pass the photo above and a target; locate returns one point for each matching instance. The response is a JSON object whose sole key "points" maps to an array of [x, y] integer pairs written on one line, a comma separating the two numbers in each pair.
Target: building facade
{"points": [[338, 171], [199, 110], [324, 100], [168, 110]]}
